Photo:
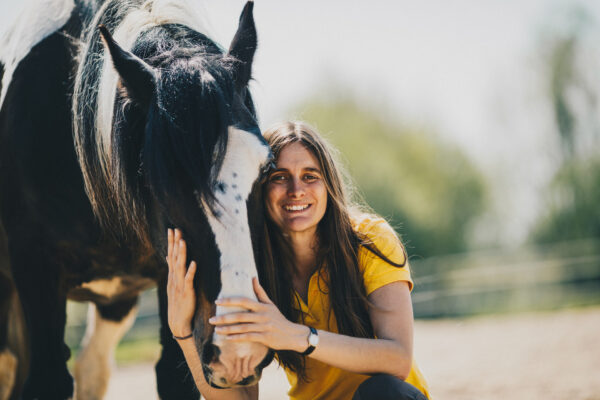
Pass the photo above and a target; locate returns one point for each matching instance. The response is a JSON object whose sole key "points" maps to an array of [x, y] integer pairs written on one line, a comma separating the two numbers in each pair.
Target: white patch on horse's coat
{"points": [[105, 287], [8, 372], [36, 20], [241, 166], [116, 286], [93, 365], [151, 13]]}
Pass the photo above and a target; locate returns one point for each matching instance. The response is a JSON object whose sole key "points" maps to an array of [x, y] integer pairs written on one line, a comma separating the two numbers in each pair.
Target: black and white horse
{"points": [[119, 119]]}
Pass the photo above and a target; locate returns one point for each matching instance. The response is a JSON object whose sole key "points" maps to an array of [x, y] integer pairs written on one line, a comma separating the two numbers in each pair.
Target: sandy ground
{"points": [[548, 356]]}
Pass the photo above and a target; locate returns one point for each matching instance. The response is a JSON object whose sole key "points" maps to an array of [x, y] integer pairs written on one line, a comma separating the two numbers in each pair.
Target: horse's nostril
{"points": [[210, 353], [247, 380]]}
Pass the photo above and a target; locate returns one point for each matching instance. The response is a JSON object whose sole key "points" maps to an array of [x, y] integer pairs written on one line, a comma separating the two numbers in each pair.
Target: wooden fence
{"points": [[528, 278]]}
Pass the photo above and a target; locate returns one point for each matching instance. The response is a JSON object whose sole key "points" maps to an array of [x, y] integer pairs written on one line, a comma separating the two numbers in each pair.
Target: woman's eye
{"points": [[310, 178], [276, 178]]}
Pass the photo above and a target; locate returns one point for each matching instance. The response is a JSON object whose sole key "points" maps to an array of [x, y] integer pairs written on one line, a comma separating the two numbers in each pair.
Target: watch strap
{"points": [[310, 348]]}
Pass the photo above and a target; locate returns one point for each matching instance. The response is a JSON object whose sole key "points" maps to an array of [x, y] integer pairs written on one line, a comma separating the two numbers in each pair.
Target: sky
{"points": [[466, 69]]}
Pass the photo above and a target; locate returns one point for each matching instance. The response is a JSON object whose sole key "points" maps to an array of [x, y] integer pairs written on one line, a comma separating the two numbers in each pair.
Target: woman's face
{"points": [[296, 193]]}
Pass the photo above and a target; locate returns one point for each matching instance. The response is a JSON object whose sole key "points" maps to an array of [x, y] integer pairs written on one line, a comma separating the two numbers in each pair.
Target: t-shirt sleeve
{"points": [[376, 271]]}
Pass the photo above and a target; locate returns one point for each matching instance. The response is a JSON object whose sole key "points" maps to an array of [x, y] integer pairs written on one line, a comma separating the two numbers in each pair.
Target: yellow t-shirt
{"points": [[330, 383]]}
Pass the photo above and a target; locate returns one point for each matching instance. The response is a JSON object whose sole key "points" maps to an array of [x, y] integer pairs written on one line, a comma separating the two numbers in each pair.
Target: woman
{"points": [[339, 306]]}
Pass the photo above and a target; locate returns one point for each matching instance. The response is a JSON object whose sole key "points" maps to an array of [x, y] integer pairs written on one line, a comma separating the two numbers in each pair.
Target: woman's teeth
{"points": [[296, 208]]}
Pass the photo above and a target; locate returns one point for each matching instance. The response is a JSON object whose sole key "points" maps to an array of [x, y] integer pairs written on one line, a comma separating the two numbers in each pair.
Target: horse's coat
{"points": [[120, 118], [36, 21]]}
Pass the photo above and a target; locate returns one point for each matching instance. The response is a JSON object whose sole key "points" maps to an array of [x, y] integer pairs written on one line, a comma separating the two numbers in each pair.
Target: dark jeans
{"points": [[387, 387]]}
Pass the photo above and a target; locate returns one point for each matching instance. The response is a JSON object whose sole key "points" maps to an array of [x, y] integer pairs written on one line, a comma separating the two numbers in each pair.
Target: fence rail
{"points": [[528, 278]]}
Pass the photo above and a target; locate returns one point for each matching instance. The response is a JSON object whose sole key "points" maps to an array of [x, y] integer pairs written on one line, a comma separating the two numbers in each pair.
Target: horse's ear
{"points": [[243, 46], [137, 78]]}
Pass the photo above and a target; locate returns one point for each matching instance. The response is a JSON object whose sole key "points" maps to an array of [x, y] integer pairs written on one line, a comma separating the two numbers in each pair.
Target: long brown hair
{"points": [[338, 246]]}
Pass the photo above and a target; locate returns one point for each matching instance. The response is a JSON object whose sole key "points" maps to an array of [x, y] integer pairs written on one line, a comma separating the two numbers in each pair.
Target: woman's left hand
{"points": [[263, 324]]}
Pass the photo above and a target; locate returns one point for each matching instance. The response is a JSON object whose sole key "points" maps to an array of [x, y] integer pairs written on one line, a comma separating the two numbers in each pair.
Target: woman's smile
{"points": [[296, 208]]}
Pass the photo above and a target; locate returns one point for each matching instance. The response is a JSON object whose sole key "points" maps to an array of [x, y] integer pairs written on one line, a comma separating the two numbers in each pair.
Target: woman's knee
{"points": [[387, 387]]}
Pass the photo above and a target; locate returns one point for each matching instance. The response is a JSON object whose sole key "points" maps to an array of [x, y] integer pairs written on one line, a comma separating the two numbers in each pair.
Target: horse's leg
{"points": [[106, 325], [8, 362], [8, 372], [44, 306], [173, 377]]}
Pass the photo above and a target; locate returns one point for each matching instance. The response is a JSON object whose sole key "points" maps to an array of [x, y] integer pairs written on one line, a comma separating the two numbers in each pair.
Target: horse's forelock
{"points": [[186, 136]]}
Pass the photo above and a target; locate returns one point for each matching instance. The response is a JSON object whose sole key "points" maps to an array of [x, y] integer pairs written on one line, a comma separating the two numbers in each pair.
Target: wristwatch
{"points": [[313, 341]]}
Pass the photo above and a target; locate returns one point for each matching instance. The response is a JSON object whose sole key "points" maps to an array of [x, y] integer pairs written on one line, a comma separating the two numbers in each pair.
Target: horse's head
{"points": [[185, 129]]}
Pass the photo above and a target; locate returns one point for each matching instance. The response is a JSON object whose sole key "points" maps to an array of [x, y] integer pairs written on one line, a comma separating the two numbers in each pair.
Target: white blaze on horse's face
{"points": [[245, 155]]}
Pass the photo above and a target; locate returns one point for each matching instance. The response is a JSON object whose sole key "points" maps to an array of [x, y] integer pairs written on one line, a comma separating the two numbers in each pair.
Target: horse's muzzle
{"points": [[234, 364]]}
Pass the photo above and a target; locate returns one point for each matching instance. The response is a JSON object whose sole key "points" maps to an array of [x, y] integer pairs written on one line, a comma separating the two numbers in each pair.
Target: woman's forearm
{"points": [[193, 361], [391, 353], [364, 356]]}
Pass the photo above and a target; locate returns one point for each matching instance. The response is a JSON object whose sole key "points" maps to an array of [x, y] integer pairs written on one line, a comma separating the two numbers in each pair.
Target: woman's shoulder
{"points": [[379, 240], [376, 230]]}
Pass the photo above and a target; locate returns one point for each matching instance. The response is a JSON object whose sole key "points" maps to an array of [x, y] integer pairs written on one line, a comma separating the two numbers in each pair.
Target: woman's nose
{"points": [[296, 188]]}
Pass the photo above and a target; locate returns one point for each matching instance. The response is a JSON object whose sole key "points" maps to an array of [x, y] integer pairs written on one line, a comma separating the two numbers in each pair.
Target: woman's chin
{"points": [[299, 225]]}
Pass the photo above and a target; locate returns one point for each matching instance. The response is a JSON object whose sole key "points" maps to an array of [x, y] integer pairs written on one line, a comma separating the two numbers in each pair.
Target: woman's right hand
{"points": [[180, 286]]}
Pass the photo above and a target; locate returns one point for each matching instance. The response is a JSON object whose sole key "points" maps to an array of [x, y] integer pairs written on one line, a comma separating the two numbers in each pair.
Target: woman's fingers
{"points": [[169, 254], [242, 328], [169, 245], [176, 259], [182, 256], [176, 239], [236, 318], [248, 337], [189, 276], [260, 292], [243, 302], [175, 249]]}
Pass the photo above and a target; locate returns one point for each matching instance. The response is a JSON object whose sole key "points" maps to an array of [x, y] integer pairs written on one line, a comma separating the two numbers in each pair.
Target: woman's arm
{"points": [[389, 353], [181, 308]]}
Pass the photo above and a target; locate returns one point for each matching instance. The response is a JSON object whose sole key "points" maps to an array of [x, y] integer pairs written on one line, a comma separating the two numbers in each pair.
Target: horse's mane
{"points": [[178, 142], [33, 22]]}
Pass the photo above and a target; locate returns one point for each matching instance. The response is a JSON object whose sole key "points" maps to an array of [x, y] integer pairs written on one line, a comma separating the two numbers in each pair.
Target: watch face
{"points": [[313, 339]]}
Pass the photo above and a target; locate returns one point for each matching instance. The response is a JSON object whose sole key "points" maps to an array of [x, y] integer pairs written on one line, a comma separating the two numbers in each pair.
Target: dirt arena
{"points": [[550, 356]]}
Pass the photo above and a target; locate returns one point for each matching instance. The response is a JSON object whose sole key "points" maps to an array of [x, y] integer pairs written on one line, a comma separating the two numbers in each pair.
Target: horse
{"points": [[13, 367], [120, 119]]}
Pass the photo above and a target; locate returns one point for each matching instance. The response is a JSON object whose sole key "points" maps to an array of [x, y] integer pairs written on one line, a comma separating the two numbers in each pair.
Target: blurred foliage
{"points": [[426, 188], [574, 203], [129, 351], [573, 196]]}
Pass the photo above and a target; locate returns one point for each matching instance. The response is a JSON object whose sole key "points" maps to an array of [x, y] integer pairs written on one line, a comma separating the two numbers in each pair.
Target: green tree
{"points": [[571, 209], [426, 188]]}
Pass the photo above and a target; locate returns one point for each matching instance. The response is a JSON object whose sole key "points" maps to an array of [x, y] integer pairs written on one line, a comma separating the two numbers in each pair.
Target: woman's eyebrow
{"points": [[312, 169]]}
